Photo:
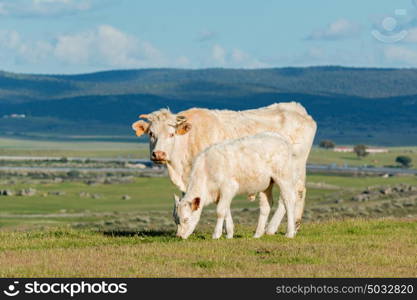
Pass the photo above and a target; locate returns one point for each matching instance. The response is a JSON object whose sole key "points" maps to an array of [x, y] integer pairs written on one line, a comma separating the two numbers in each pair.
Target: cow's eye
{"points": [[151, 134], [171, 135]]}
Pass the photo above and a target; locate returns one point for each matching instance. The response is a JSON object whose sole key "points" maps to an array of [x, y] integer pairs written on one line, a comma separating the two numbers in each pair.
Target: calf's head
{"points": [[186, 215], [163, 128]]}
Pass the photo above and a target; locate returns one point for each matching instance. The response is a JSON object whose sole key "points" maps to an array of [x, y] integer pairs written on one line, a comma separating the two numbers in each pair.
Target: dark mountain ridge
{"points": [[350, 105]]}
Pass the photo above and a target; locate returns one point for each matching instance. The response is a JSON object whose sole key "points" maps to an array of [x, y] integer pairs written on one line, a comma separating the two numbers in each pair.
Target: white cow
{"points": [[176, 139], [243, 166]]}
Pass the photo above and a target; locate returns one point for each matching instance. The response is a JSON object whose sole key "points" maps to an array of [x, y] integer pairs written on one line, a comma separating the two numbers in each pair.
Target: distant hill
{"points": [[351, 105]]}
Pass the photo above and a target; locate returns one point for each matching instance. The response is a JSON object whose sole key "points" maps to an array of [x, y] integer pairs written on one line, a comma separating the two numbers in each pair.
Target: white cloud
{"points": [[340, 29], [102, 47], [74, 48], [218, 54], [30, 51], [244, 60], [107, 46], [43, 8], [206, 35], [9, 38], [235, 58], [182, 62], [401, 55]]}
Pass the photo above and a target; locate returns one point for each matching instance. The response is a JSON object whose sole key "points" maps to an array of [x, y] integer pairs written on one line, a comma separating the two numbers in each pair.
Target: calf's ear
{"points": [[183, 128], [140, 127], [177, 199], [195, 204]]}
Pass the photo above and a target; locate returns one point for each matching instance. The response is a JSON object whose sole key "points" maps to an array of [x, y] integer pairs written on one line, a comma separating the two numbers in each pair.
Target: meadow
{"points": [[72, 147], [79, 147], [350, 248], [323, 156], [121, 224]]}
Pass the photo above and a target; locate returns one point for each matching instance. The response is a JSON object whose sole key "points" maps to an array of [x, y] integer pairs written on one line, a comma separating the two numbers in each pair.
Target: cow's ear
{"points": [[140, 127], [183, 128], [195, 204]]}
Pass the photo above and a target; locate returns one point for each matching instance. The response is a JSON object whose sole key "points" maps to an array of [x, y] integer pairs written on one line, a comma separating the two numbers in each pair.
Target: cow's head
{"points": [[163, 129], [186, 215]]}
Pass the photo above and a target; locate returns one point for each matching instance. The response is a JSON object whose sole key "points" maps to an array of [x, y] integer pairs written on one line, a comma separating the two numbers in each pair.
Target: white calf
{"points": [[242, 166]]}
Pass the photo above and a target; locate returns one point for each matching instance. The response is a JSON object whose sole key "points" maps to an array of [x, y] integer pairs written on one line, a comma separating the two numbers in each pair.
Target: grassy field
{"points": [[350, 248], [80, 148], [76, 148], [322, 156]]}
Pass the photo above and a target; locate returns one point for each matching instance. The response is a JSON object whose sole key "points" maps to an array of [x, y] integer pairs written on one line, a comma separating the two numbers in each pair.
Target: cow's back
{"points": [[213, 126]]}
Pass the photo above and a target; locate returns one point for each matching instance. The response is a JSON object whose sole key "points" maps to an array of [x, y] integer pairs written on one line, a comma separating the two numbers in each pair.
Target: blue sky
{"points": [[77, 36]]}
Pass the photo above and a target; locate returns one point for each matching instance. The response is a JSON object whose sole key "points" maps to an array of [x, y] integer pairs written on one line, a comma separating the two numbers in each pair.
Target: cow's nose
{"points": [[158, 155]]}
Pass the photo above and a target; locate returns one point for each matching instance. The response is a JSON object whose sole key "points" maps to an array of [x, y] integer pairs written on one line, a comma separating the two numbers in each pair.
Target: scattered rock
{"points": [[27, 192], [361, 198], [6, 193], [57, 193], [386, 190]]}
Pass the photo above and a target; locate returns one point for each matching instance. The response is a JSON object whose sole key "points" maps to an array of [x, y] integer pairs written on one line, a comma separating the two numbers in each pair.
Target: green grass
{"points": [[350, 248], [322, 156], [27, 147], [361, 182]]}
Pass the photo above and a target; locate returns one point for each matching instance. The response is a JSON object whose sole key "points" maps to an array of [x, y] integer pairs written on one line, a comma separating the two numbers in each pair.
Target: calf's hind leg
{"points": [[229, 225], [265, 203], [289, 196]]}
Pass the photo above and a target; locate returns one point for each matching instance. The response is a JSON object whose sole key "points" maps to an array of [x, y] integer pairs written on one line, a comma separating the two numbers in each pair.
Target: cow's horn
{"points": [[181, 119], [144, 116]]}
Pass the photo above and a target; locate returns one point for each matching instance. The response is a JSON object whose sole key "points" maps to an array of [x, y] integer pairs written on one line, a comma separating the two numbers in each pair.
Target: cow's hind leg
{"points": [[301, 196], [299, 206]]}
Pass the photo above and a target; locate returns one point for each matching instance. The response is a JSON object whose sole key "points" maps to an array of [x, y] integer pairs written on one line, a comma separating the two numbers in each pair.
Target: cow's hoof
{"points": [[290, 235], [298, 225]]}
